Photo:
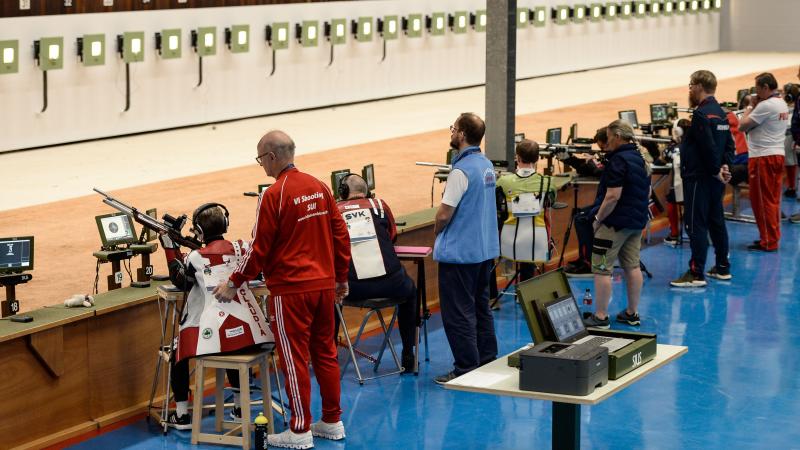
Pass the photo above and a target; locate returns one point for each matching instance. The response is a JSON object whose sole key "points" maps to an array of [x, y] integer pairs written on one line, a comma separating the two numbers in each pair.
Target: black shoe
{"points": [[720, 273], [596, 322], [408, 362], [236, 414], [183, 422], [581, 270], [442, 379], [689, 280], [630, 319], [760, 248]]}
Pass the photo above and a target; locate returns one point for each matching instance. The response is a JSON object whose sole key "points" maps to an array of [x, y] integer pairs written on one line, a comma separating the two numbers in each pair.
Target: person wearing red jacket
{"points": [[301, 244]]}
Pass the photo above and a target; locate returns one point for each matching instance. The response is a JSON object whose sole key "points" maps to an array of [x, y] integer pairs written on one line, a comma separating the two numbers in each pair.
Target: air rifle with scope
{"points": [[172, 226]]}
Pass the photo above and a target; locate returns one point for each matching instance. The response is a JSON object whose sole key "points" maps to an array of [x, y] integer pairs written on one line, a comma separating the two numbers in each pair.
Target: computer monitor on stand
{"points": [[16, 258], [116, 230]]}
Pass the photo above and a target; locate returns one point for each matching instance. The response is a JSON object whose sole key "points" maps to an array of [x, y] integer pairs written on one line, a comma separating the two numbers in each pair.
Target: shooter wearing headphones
{"points": [[208, 326], [375, 270]]}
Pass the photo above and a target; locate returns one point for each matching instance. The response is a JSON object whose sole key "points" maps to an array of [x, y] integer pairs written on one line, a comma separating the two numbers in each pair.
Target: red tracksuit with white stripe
{"points": [[301, 244]]}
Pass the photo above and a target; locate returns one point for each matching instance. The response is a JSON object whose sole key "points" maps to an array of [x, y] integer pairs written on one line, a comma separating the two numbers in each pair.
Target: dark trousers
{"points": [[526, 272], [585, 233], [395, 285], [704, 217], [179, 379], [468, 322]]}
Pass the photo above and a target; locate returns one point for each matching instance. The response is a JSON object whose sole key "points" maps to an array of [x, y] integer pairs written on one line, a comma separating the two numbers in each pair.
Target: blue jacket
{"points": [[708, 144], [625, 168], [471, 236]]}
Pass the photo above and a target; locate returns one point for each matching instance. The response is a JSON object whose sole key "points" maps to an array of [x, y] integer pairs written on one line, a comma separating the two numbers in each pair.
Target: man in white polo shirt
{"points": [[765, 123]]}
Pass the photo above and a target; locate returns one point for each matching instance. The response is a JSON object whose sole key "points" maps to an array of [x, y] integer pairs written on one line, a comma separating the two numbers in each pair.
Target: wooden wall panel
{"points": [[10, 8], [122, 355], [34, 402]]}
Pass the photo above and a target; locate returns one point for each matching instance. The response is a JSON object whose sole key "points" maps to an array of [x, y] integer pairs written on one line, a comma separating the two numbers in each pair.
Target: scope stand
{"points": [[568, 231], [115, 257], [10, 306], [144, 273]]}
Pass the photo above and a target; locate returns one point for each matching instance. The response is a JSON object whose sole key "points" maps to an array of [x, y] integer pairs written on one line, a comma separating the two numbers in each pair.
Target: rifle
{"points": [[171, 226]]}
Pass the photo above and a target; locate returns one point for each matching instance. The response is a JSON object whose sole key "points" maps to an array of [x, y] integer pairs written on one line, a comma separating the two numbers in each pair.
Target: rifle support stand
{"points": [[114, 257], [144, 273], [10, 306]]}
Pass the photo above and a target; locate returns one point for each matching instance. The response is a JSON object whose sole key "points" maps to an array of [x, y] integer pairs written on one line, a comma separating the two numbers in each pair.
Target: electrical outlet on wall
{"points": [[24, 4]]}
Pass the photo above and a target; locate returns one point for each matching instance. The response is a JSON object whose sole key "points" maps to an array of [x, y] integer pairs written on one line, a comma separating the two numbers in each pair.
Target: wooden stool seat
{"points": [[226, 432]]}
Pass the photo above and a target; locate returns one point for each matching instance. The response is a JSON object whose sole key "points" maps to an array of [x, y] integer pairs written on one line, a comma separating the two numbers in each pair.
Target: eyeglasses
{"points": [[260, 157]]}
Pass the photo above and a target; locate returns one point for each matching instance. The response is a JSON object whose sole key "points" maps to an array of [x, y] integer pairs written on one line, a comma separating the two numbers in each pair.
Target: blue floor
{"points": [[736, 388]]}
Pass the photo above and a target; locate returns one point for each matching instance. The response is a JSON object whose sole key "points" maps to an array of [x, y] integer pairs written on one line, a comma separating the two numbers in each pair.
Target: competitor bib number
{"points": [[526, 205], [360, 225]]}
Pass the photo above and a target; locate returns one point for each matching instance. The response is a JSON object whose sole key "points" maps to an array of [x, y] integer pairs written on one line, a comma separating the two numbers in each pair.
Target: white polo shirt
{"points": [[767, 138]]}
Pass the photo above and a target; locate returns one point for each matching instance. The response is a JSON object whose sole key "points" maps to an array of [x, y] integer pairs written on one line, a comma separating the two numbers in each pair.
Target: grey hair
{"points": [[622, 129], [279, 143], [357, 184]]}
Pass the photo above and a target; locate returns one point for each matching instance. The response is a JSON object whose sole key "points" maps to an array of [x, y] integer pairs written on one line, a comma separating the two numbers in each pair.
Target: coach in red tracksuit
{"points": [[301, 244]]}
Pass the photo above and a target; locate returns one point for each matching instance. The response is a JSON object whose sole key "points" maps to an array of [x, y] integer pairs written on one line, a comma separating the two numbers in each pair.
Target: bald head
{"points": [[279, 143], [357, 185]]}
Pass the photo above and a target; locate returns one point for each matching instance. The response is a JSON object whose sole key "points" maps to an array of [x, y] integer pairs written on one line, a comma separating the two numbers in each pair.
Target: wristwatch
{"points": [[231, 285]]}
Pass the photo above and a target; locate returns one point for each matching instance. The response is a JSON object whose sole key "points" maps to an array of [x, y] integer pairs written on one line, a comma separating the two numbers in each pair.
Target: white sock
{"points": [[182, 408], [237, 401]]}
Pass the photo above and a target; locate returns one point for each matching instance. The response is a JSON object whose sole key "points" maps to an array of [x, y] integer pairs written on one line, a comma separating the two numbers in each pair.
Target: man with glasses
{"points": [[466, 245], [301, 244], [706, 156]]}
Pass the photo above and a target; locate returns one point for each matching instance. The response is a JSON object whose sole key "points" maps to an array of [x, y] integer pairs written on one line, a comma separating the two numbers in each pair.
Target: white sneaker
{"points": [[332, 431], [290, 439]]}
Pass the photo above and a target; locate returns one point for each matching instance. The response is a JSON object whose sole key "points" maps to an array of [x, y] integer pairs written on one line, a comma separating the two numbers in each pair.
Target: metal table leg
{"points": [[566, 426]]}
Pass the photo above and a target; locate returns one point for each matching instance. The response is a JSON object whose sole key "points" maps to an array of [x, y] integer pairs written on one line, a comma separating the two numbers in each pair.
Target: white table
{"points": [[498, 378]]}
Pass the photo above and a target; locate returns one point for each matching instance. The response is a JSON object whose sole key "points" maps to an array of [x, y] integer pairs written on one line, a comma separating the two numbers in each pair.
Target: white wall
{"points": [[760, 25], [87, 102]]}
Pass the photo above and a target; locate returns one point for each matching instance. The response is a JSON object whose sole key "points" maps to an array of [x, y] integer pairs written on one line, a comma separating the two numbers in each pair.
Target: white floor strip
{"points": [[61, 172]]}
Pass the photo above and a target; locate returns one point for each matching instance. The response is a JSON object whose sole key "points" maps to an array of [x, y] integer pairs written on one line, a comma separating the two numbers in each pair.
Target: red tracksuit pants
{"points": [[303, 328], [765, 179]]}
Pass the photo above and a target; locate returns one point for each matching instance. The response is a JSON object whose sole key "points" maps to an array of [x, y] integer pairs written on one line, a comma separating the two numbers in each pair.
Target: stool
{"points": [[169, 299], [375, 305], [242, 363]]}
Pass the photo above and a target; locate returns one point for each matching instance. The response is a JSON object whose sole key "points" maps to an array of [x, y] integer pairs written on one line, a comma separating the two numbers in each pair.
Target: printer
{"points": [[558, 368]]}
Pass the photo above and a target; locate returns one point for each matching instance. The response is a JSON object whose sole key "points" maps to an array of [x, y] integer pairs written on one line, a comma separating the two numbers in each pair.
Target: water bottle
{"points": [[587, 303], [261, 432]]}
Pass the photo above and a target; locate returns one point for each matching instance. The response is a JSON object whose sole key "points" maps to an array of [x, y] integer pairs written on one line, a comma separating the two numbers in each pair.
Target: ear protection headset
{"points": [[196, 228], [344, 189], [790, 92]]}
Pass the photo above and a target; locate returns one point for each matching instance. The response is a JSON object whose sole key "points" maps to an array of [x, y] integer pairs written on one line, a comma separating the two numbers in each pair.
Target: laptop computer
{"points": [[565, 318]]}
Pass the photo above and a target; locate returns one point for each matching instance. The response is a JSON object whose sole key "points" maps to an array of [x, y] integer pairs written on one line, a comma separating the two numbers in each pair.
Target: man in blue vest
{"points": [[619, 216], [465, 248]]}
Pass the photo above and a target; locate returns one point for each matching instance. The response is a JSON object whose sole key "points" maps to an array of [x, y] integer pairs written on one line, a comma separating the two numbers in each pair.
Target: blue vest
{"points": [[471, 236]]}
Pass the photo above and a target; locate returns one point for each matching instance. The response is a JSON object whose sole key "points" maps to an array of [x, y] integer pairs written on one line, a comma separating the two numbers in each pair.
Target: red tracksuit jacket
{"points": [[300, 241]]}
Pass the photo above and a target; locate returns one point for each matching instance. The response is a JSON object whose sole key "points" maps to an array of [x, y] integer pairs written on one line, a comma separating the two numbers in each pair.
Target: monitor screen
{"points": [[336, 178], [672, 111], [630, 117], [16, 254], [115, 229], [659, 113], [573, 132], [565, 318], [741, 93], [553, 136], [263, 187], [518, 137], [368, 174]]}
